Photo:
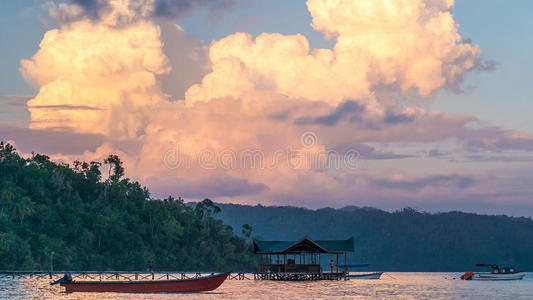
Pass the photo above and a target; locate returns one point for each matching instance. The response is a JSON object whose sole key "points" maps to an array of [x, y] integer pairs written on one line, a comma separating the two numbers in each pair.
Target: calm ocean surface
{"points": [[390, 286]]}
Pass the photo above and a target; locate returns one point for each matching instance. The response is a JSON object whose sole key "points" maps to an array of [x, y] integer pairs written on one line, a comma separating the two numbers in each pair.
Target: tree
{"points": [[247, 230], [21, 208], [206, 209], [115, 165], [6, 151], [7, 197]]}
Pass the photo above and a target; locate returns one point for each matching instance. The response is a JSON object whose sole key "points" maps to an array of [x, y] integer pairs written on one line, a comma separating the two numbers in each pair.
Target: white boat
{"points": [[497, 273], [491, 276], [374, 275]]}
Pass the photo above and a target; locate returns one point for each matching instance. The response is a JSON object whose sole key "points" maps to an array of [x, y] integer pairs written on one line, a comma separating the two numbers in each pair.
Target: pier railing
{"points": [[137, 275], [113, 275]]}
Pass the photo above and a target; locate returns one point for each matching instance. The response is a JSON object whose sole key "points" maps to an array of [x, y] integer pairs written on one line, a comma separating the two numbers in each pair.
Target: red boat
{"points": [[192, 285]]}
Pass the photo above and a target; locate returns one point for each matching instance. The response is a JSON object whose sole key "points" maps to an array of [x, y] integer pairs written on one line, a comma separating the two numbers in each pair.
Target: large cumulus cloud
{"points": [[410, 45], [113, 71], [190, 118]]}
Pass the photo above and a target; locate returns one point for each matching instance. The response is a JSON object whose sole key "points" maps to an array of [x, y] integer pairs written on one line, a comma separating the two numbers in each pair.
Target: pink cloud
{"points": [[182, 114]]}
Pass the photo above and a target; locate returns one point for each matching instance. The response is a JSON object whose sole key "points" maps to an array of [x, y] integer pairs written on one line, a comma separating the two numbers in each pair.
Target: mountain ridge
{"points": [[404, 240]]}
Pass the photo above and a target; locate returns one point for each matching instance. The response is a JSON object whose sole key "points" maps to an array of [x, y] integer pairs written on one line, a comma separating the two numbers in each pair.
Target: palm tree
{"points": [[6, 198], [21, 208]]}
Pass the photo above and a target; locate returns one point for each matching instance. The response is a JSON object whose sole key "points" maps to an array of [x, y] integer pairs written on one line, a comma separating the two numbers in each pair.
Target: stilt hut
{"points": [[300, 260]]}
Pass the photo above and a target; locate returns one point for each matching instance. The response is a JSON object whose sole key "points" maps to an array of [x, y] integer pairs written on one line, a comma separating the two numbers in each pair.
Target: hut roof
{"points": [[304, 245]]}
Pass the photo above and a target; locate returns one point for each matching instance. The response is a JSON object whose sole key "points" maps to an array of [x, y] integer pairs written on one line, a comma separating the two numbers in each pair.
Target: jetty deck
{"points": [[300, 276]]}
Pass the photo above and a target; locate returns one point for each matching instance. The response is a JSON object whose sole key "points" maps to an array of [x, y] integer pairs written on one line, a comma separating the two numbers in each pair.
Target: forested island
{"points": [[405, 240], [91, 223]]}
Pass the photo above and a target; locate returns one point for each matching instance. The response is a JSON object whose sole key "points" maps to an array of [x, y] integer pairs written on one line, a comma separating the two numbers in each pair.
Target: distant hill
{"points": [[406, 240]]}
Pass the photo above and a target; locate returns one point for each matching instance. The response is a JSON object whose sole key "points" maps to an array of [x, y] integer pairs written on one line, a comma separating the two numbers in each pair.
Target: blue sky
{"points": [[21, 31], [503, 30]]}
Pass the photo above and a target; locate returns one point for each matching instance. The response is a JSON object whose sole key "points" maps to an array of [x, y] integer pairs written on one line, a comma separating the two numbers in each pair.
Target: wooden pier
{"points": [[146, 276], [113, 275]]}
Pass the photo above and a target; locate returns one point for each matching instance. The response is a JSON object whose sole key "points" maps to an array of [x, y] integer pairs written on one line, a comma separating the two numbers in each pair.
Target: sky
{"points": [[318, 103]]}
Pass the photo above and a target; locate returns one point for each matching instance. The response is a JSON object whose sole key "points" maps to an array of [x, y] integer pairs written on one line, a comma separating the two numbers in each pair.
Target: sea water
{"points": [[392, 285]]}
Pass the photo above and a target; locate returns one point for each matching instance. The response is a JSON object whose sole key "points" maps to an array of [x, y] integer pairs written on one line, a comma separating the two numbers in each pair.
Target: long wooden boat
{"points": [[192, 285], [373, 275]]}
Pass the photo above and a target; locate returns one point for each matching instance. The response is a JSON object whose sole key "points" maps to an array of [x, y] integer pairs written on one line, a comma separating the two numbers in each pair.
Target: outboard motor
{"points": [[467, 276], [66, 278]]}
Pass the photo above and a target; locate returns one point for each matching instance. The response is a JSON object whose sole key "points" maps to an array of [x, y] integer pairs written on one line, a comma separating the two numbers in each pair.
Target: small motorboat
{"points": [[372, 275], [496, 273], [192, 285]]}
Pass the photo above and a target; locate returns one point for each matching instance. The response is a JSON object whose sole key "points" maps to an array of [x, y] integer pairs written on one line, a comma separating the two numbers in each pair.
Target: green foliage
{"points": [[246, 230], [14, 252], [92, 224], [406, 240]]}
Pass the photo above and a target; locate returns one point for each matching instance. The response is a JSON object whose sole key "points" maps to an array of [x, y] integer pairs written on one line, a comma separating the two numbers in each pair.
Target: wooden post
{"points": [[51, 264], [284, 262], [345, 271], [337, 266]]}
